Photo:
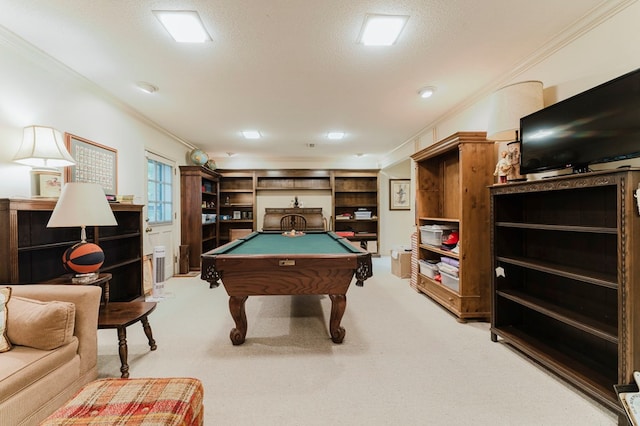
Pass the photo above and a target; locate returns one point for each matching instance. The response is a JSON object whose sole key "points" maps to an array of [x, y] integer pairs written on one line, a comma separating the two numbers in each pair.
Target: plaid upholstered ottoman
{"points": [[163, 401]]}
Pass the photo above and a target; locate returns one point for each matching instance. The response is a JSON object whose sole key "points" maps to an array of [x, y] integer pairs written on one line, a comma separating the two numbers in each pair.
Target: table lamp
{"points": [[43, 149], [82, 204]]}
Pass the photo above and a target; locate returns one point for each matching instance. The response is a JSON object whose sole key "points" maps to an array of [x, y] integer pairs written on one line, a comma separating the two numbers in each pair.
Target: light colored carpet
{"points": [[404, 361]]}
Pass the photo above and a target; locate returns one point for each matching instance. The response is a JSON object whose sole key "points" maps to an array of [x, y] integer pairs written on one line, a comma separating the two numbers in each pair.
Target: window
{"points": [[159, 191]]}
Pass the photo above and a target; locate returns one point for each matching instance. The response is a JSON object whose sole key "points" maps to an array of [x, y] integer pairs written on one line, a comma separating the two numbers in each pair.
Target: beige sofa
{"points": [[35, 382]]}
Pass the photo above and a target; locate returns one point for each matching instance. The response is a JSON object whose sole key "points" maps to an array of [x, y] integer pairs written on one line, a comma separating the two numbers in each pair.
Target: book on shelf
{"points": [[345, 233]]}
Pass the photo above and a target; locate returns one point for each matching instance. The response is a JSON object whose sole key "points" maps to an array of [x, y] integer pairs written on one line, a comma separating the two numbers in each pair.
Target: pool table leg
{"points": [[236, 307], [338, 305]]}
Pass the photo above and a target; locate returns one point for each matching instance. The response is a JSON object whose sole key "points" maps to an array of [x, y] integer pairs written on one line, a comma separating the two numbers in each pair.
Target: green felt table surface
{"points": [[276, 243]]}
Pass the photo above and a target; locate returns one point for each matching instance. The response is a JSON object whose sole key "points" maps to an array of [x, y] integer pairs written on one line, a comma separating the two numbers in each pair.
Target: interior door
{"points": [[161, 195]]}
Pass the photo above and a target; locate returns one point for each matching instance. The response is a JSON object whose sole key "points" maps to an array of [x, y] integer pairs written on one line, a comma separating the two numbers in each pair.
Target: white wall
{"points": [[36, 91], [396, 226], [601, 54]]}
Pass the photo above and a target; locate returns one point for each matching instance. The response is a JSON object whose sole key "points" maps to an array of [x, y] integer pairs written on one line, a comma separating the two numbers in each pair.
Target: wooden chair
{"points": [[293, 221]]}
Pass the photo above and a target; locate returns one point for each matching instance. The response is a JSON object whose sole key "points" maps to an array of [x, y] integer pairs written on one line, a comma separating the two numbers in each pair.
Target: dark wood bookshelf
{"points": [[199, 196], [34, 252], [567, 292]]}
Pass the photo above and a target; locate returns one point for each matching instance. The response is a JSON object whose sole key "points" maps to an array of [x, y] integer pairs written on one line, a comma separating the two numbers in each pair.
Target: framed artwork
{"points": [[50, 184], [46, 183], [399, 194], [95, 163]]}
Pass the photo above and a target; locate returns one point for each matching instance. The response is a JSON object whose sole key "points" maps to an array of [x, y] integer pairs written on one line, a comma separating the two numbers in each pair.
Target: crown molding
{"points": [[43, 60], [591, 20]]}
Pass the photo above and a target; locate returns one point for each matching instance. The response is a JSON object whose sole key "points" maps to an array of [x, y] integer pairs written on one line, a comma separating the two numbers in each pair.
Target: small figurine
{"points": [[503, 167]]}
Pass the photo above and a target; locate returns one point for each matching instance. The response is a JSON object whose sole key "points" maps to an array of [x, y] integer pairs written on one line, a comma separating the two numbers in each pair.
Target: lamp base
{"points": [[83, 258]]}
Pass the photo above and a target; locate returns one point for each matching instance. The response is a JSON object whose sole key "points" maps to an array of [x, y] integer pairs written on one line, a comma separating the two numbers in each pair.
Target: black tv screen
{"points": [[599, 125]]}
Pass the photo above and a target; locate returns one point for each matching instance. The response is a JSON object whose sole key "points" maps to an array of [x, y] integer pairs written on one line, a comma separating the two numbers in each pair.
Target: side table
{"points": [[118, 315], [103, 281]]}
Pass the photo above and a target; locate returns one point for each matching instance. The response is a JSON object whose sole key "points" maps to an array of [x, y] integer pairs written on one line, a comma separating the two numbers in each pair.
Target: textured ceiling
{"points": [[291, 68]]}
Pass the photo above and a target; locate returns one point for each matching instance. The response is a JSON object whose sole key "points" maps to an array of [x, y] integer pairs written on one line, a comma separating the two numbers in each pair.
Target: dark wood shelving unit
{"points": [[34, 252], [566, 294], [237, 192], [199, 197], [237, 196], [354, 190], [279, 180], [452, 180]]}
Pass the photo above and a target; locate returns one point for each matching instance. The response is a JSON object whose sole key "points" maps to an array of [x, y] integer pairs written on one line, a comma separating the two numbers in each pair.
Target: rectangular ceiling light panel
{"points": [[251, 134], [382, 30], [185, 26]]}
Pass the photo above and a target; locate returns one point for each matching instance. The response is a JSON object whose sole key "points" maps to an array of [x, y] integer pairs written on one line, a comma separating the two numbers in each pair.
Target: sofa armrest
{"points": [[87, 302]]}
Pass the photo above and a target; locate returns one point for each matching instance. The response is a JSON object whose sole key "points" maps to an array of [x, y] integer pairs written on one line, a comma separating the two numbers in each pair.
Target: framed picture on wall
{"points": [[95, 163], [399, 194]]}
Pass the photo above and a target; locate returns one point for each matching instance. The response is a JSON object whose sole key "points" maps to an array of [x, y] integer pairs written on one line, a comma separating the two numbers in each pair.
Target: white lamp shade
{"points": [[82, 204], [43, 147], [508, 105]]}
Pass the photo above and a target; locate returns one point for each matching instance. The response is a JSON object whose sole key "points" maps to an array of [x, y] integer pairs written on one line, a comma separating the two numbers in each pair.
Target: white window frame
{"points": [[164, 187]]}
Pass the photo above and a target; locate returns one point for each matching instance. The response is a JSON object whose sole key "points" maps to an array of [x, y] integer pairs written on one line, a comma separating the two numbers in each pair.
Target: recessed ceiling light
{"points": [[251, 134], [381, 30], [335, 135], [147, 87], [427, 92], [185, 26]]}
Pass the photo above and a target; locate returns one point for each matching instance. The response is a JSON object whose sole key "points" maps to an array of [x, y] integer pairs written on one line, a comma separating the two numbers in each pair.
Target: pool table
{"points": [[267, 263]]}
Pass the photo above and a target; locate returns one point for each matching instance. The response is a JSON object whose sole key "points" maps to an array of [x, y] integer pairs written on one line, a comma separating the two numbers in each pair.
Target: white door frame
{"points": [[164, 235]]}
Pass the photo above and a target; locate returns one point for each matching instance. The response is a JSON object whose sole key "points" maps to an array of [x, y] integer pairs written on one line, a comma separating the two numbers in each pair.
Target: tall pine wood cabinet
{"points": [[452, 190], [566, 291]]}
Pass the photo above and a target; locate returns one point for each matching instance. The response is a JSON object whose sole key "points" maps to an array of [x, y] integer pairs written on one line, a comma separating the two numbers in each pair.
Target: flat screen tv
{"points": [[599, 125]]}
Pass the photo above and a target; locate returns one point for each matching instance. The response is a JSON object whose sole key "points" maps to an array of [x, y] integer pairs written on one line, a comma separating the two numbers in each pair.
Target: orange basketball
{"points": [[83, 258]]}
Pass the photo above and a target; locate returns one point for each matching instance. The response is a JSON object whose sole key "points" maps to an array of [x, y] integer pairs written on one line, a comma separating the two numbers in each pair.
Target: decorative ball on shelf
{"points": [[83, 258], [211, 164], [199, 157]]}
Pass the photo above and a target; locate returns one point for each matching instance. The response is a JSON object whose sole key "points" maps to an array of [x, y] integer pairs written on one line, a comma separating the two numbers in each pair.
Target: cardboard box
{"points": [[401, 263]]}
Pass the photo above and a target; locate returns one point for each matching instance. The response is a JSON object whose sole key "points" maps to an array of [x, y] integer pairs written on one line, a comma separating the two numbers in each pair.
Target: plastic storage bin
{"points": [[432, 234], [428, 269], [450, 281], [449, 269]]}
